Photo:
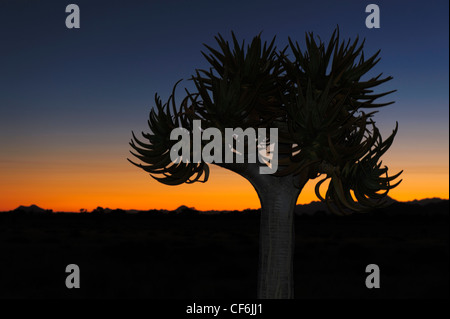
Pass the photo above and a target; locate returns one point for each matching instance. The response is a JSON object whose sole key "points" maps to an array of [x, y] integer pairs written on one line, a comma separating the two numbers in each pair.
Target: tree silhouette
{"points": [[315, 98]]}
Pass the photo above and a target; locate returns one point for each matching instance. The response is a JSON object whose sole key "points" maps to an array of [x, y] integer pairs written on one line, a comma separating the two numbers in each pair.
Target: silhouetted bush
{"points": [[98, 210]]}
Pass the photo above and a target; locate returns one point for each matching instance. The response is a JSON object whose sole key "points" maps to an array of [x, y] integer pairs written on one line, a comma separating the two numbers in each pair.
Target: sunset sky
{"points": [[69, 98]]}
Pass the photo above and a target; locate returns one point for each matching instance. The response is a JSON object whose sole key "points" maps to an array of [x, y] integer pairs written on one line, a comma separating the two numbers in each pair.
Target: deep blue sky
{"points": [[87, 88], [105, 74]]}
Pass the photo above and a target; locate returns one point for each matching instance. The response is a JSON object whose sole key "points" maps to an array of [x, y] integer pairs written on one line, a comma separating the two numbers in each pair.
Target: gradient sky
{"points": [[69, 99]]}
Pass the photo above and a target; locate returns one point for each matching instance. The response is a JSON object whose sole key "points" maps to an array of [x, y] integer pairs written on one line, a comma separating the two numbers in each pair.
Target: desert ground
{"points": [[195, 256]]}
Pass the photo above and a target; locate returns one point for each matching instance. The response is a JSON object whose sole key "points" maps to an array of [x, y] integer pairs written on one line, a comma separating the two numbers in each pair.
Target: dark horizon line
{"points": [[22, 207]]}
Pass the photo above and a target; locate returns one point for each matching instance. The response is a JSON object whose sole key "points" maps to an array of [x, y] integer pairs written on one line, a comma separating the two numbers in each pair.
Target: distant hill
{"points": [[426, 206], [315, 208], [426, 201], [33, 209]]}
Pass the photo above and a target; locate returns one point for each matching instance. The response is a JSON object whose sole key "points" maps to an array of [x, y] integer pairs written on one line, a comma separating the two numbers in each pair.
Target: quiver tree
{"points": [[317, 101]]}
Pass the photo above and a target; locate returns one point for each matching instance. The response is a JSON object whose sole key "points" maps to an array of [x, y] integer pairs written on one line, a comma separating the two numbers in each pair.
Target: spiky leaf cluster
{"points": [[317, 100], [240, 88], [325, 99], [156, 153]]}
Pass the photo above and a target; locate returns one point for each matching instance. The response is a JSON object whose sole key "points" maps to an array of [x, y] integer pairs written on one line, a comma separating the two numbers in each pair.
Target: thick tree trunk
{"points": [[278, 196], [276, 252]]}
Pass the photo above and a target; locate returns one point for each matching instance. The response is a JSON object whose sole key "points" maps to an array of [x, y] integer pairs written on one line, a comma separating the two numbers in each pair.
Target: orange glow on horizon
{"points": [[87, 184]]}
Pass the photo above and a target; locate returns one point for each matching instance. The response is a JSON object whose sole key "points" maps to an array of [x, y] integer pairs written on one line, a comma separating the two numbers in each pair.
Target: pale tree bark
{"points": [[278, 196], [276, 240]]}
